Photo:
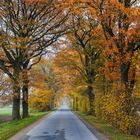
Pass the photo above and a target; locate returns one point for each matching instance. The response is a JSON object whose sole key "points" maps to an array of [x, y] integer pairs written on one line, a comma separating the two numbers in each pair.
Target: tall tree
{"points": [[84, 37], [27, 29], [120, 29], [120, 23]]}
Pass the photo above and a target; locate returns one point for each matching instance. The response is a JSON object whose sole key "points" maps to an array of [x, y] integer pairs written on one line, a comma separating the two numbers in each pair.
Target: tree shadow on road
{"points": [[59, 135]]}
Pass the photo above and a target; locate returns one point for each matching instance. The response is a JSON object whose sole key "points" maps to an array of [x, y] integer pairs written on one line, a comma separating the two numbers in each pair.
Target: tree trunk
{"points": [[16, 101], [51, 104], [25, 101], [76, 101], [25, 93], [89, 63], [91, 96], [128, 87]]}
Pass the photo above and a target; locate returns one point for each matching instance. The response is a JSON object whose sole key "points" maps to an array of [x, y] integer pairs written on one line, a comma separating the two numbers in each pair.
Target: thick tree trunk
{"points": [[25, 113], [128, 84], [128, 87], [89, 63], [124, 75], [25, 93], [91, 96], [16, 101]]}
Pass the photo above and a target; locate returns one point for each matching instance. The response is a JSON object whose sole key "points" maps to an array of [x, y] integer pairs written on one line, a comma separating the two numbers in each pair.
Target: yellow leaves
{"points": [[40, 99], [128, 124], [37, 79], [112, 107]]}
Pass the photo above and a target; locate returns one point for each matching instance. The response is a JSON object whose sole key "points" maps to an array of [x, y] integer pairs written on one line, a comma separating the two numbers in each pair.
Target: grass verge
{"points": [[107, 129], [9, 129]]}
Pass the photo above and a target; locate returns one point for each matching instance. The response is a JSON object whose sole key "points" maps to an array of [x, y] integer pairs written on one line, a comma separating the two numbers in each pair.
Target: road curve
{"points": [[60, 125]]}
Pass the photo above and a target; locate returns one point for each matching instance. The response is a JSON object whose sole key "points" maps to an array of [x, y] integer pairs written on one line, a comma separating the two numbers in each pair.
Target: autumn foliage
{"points": [[92, 55]]}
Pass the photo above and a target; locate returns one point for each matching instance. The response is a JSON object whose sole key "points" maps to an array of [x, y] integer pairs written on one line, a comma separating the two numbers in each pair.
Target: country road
{"points": [[60, 125]]}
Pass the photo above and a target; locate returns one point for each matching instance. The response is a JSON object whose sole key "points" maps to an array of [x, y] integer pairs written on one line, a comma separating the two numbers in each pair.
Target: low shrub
{"points": [[116, 110]]}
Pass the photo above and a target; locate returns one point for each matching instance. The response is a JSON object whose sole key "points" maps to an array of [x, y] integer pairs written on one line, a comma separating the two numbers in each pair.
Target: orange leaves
{"points": [[111, 71], [74, 6], [131, 12], [35, 1], [67, 64], [66, 61], [37, 78], [93, 11]]}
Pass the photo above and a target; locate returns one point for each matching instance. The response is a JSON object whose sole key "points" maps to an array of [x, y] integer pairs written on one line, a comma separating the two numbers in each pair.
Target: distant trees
{"points": [[39, 100], [5, 90], [5, 85], [47, 89]]}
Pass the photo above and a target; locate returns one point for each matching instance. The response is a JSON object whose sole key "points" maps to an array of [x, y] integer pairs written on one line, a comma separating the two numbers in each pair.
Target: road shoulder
{"points": [[21, 134], [93, 129]]}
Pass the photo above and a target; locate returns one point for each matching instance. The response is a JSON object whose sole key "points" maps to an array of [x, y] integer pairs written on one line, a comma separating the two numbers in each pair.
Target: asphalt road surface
{"points": [[60, 125]]}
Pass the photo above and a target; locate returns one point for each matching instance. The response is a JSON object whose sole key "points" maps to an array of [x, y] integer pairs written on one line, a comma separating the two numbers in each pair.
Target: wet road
{"points": [[60, 125]]}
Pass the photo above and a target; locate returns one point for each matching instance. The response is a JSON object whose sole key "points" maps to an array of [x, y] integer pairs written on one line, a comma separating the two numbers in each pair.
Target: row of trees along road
{"points": [[104, 34], [84, 41], [27, 28]]}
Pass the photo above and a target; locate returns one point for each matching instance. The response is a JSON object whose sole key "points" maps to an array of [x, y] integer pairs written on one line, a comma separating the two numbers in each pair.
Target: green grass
{"points": [[5, 111], [8, 129], [107, 129]]}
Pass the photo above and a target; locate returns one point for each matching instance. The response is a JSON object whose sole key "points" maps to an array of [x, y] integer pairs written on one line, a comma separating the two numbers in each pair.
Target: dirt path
{"points": [[5, 119]]}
